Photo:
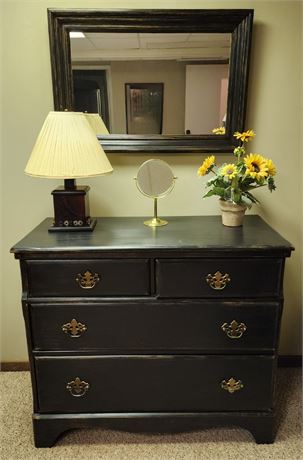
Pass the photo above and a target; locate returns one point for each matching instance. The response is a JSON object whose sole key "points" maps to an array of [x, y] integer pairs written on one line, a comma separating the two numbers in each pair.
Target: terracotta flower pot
{"points": [[232, 214]]}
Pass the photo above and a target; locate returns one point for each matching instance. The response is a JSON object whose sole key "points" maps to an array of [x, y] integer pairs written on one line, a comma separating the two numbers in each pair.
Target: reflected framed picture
{"points": [[144, 108]]}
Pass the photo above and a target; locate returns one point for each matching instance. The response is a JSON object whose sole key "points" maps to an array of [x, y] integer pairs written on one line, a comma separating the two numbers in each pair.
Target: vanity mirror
{"points": [[200, 59], [155, 179]]}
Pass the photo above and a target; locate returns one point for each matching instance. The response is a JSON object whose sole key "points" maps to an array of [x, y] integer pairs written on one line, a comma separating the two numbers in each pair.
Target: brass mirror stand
{"points": [[155, 179], [155, 221]]}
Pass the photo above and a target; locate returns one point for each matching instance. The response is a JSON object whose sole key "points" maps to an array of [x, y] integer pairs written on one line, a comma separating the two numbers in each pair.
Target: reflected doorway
{"points": [[90, 93], [144, 108]]}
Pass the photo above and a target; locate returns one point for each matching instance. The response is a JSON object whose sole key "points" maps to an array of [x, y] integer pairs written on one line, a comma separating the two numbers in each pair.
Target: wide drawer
{"points": [[219, 277], [82, 278], [155, 326], [154, 383]]}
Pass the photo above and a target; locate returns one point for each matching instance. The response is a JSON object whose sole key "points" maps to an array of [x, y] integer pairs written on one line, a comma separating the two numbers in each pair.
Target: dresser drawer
{"points": [[161, 327], [154, 383], [219, 278], [83, 278]]}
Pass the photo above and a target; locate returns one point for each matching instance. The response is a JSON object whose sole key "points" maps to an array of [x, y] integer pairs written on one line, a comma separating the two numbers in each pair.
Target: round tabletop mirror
{"points": [[155, 179]]}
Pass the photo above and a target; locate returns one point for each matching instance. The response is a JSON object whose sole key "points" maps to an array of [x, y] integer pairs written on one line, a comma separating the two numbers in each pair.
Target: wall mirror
{"points": [[160, 79]]}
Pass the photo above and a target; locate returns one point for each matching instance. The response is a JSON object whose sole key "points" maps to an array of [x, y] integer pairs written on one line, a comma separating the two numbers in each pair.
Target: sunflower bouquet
{"points": [[234, 181]]}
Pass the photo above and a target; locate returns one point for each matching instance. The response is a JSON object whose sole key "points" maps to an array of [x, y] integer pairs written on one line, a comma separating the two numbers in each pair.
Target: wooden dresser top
{"points": [[189, 233]]}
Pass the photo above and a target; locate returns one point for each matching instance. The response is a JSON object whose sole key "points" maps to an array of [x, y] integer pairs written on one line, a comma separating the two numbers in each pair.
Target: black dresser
{"points": [[160, 329]]}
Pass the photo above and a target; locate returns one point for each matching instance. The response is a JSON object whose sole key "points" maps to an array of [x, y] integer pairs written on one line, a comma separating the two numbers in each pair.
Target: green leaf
{"points": [[246, 201], [211, 182], [215, 191], [242, 167], [227, 193], [209, 193], [236, 195], [251, 197], [271, 184]]}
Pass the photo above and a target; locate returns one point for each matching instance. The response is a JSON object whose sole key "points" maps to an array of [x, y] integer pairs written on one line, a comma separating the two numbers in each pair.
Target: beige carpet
{"points": [[215, 444]]}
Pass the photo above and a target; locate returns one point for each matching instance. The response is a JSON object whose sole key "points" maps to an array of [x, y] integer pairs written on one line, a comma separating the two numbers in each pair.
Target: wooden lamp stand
{"points": [[71, 208]]}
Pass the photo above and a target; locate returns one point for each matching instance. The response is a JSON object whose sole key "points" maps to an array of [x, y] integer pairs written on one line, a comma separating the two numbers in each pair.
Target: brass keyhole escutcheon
{"points": [[218, 281], [74, 328], [77, 387], [232, 385], [87, 280], [234, 330]]}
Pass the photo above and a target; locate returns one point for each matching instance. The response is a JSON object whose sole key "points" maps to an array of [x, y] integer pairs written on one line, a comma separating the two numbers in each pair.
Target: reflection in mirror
{"points": [[155, 179], [96, 123], [191, 68], [144, 108]]}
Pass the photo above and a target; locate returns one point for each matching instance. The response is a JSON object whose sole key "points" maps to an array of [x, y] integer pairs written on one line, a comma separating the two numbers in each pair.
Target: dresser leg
{"points": [[264, 431], [46, 432]]}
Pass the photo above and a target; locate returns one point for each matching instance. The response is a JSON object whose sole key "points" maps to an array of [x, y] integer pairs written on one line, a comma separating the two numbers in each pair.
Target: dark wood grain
{"points": [[187, 279], [153, 326], [116, 277], [188, 235], [49, 427], [140, 383], [71, 204]]}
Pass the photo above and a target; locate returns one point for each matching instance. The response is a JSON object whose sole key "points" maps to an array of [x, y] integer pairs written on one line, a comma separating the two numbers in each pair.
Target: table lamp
{"points": [[67, 148]]}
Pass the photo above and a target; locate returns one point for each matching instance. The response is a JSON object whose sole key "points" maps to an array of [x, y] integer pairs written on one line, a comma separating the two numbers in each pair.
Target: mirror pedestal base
{"points": [[155, 222]]}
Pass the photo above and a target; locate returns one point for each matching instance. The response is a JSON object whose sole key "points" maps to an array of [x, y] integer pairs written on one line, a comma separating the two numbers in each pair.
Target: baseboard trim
{"points": [[283, 361], [12, 367]]}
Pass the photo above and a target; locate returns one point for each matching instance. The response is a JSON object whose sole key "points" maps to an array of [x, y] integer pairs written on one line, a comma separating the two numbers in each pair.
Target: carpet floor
{"points": [[93, 444]]}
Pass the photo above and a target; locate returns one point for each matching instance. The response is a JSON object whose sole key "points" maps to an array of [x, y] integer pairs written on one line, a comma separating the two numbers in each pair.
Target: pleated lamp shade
{"points": [[96, 123], [67, 147]]}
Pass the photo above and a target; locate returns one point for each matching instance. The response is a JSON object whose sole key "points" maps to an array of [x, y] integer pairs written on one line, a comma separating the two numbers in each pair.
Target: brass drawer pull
{"points": [[218, 281], [231, 385], [87, 280], [74, 328], [234, 330], [77, 387]]}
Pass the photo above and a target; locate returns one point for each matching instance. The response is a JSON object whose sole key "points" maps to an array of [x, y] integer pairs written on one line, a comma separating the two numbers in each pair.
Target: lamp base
{"points": [[84, 228], [71, 209]]}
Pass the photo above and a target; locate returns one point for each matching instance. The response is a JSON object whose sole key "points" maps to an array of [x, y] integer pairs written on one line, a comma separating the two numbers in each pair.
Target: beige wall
{"points": [[274, 112], [170, 73]]}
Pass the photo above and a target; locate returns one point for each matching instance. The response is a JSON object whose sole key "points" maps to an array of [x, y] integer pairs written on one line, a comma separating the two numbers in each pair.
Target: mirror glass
{"points": [[152, 83], [155, 179]]}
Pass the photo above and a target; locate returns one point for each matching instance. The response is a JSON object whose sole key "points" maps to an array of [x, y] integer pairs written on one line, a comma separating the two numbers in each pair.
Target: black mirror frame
{"points": [[238, 22]]}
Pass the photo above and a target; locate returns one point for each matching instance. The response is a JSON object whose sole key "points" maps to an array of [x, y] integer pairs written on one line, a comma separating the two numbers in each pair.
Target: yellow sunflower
{"points": [[229, 171], [206, 165], [220, 130], [245, 136], [256, 166], [271, 168]]}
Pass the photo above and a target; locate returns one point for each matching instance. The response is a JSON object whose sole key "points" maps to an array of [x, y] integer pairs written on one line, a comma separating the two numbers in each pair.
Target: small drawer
{"points": [[89, 278], [219, 278], [155, 327], [85, 384]]}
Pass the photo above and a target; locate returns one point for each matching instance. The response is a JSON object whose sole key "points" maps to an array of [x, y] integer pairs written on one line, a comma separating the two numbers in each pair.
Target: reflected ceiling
{"points": [[145, 46]]}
